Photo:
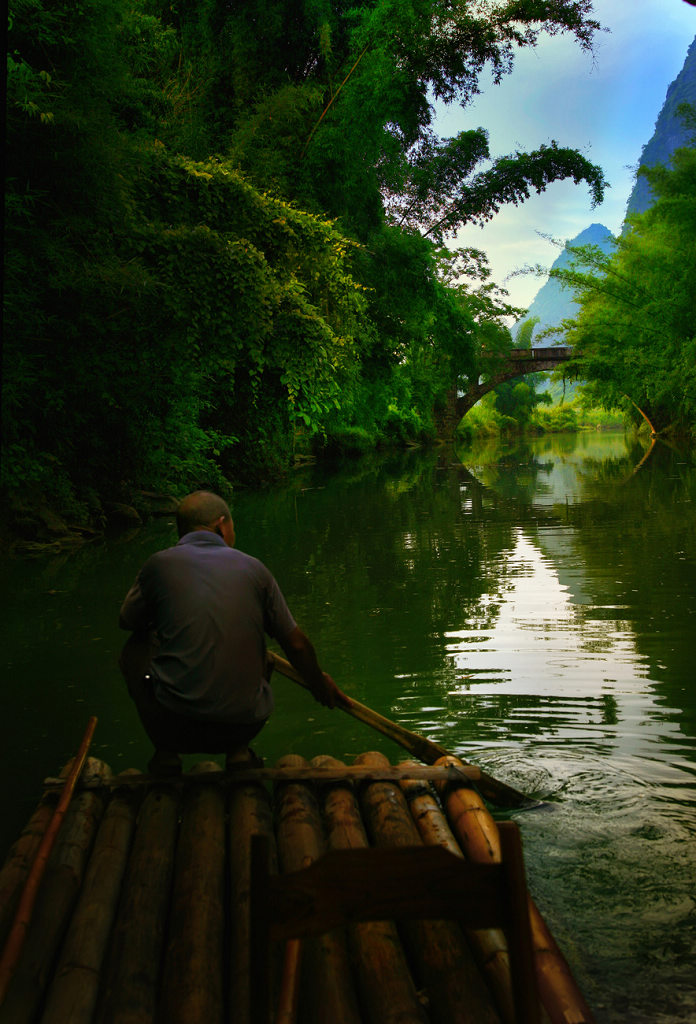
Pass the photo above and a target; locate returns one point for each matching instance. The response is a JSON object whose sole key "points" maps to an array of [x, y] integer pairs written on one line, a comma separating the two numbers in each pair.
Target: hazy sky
{"points": [[604, 105]]}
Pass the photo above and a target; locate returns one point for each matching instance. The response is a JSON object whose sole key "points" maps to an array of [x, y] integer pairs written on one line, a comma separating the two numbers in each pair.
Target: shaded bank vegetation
{"points": [[225, 231]]}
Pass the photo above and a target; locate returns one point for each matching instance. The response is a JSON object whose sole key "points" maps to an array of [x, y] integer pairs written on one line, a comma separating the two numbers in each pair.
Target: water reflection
{"points": [[624, 554], [598, 691]]}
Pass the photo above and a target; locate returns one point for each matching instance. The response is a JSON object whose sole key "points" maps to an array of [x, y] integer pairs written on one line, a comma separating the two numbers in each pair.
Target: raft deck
{"points": [[143, 911]]}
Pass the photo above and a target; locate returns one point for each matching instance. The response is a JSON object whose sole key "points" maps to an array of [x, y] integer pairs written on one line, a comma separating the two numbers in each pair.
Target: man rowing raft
{"points": [[196, 664]]}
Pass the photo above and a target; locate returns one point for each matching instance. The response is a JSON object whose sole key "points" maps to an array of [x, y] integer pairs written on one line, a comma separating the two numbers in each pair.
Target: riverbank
{"points": [[29, 525]]}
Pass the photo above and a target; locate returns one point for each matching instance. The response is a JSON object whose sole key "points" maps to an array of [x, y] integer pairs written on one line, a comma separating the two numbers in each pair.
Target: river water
{"points": [[531, 608]]}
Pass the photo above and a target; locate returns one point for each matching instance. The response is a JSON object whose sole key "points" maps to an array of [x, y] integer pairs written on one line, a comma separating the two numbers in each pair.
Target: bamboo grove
{"points": [[635, 330], [225, 231]]}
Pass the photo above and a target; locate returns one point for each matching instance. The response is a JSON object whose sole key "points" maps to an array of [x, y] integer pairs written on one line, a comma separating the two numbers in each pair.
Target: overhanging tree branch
{"points": [[511, 179]]}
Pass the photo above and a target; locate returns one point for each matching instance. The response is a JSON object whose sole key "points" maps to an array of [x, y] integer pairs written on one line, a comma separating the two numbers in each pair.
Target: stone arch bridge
{"points": [[519, 361]]}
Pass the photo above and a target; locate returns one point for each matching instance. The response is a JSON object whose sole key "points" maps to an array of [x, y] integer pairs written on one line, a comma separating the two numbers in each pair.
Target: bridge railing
{"points": [[548, 352]]}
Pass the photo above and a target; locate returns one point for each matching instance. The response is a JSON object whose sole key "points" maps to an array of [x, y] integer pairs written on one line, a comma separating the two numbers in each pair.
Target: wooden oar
{"points": [[424, 749]]}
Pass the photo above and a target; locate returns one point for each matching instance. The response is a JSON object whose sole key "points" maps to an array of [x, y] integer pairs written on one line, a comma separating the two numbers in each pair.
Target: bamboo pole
{"points": [[299, 844], [488, 945], [558, 989], [130, 991], [192, 986], [249, 814], [471, 823], [18, 931], [328, 993], [455, 990], [388, 993], [52, 907], [427, 813], [19, 860], [289, 995], [424, 749], [75, 987]]}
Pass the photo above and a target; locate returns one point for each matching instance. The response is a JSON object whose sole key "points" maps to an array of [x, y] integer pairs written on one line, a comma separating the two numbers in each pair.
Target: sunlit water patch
{"points": [[576, 663]]}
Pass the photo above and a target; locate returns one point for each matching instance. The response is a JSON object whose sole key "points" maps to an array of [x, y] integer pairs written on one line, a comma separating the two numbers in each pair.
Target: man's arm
{"points": [[303, 657], [135, 614]]}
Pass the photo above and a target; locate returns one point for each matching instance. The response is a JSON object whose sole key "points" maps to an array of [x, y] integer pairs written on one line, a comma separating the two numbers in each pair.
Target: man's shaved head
{"points": [[199, 511]]}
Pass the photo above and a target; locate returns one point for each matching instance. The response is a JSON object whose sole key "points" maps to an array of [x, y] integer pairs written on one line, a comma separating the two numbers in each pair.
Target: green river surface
{"points": [[531, 608]]}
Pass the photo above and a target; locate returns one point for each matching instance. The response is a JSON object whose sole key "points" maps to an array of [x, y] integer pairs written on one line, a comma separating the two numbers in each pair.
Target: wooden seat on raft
{"points": [[401, 883]]}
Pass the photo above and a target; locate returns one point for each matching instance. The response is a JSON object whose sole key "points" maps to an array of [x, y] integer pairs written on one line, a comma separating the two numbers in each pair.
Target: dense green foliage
{"points": [[635, 333], [225, 227]]}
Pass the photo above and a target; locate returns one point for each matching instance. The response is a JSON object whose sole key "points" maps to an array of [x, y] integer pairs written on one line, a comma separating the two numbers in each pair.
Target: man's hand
{"points": [[303, 658]]}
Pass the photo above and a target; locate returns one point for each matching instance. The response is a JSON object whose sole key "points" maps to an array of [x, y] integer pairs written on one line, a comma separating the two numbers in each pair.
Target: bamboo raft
{"points": [[142, 914]]}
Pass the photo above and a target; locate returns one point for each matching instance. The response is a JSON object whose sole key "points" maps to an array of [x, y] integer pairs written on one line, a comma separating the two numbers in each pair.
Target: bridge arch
{"points": [[518, 363]]}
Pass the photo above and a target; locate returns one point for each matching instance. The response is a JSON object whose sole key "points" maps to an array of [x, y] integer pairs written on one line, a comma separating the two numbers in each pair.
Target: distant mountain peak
{"points": [[553, 303], [669, 133]]}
